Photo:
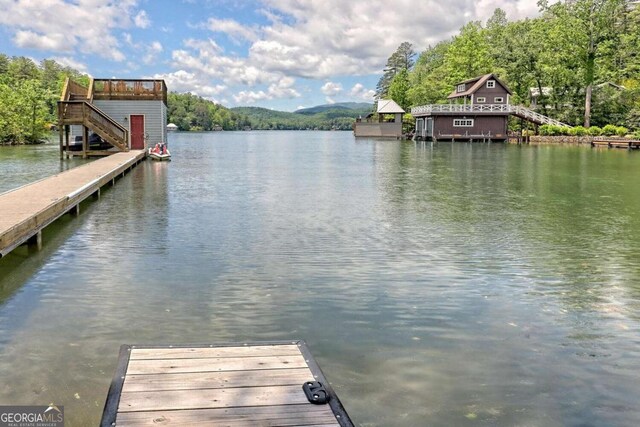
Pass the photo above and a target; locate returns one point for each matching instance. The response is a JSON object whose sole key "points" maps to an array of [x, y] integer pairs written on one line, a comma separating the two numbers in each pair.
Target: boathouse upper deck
{"points": [[128, 90]]}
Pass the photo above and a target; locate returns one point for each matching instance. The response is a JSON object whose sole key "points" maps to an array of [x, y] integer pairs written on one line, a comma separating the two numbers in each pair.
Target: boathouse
{"points": [[478, 110], [111, 115], [388, 123]]}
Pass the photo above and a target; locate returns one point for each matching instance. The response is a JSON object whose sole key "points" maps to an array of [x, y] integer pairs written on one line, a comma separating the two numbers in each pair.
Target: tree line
{"points": [[29, 93], [193, 113], [581, 58]]}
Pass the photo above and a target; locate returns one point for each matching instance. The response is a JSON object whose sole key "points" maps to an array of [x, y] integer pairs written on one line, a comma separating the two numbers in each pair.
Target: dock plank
{"points": [[225, 385], [211, 398], [159, 366], [194, 353], [262, 416], [231, 379], [28, 209]]}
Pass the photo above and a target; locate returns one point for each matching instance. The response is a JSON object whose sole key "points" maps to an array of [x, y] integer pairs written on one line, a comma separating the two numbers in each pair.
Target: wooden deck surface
{"points": [[247, 385], [28, 209], [615, 143]]}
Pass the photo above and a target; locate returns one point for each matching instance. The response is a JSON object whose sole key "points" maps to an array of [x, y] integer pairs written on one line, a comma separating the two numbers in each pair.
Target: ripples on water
{"points": [[451, 284]]}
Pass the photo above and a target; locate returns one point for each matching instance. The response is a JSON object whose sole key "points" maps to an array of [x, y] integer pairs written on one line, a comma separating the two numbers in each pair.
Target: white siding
{"points": [[154, 112]]}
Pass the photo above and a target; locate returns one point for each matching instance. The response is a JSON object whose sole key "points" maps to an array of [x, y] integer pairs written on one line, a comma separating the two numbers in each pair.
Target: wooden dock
{"points": [[219, 385], [616, 143], [27, 210]]}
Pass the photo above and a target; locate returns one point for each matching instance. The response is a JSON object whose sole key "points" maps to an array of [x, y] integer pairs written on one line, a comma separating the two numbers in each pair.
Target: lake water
{"points": [[437, 285]]}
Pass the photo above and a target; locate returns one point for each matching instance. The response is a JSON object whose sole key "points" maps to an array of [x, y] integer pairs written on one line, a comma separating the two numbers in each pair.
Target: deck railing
{"points": [[456, 108], [516, 110], [72, 90], [109, 89]]}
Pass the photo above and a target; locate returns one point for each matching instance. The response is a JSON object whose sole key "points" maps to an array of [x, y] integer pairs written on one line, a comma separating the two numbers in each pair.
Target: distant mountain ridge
{"points": [[339, 116], [336, 106]]}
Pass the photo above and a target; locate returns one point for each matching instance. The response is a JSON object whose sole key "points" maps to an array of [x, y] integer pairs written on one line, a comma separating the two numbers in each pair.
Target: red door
{"points": [[137, 132]]}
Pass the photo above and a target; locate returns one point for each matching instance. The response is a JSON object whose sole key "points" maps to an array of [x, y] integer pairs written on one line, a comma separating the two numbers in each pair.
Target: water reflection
{"points": [[443, 284]]}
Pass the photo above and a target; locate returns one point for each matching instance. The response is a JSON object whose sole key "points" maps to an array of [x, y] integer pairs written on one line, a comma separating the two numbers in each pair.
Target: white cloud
{"points": [[153, 50], [232, 28], [31, 40], [308, 39], [70, 62], [360, 92], [184, 81], [142, 20], [84, 26], [210, 61], [284, 88], [331, 88]]}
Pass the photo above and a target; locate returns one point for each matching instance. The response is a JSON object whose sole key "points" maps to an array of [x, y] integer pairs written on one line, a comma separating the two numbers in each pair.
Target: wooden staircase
{"points": [[76, 108], [533, 117]]}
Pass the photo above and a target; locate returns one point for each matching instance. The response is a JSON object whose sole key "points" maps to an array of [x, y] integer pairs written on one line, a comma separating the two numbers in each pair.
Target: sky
{"points": [[278, 54]]}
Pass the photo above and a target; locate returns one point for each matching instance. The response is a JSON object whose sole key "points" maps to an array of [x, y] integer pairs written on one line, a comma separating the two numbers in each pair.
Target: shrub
{"points": [[572, 132], [556, 130], [579, 130], [609, 130], [595, 131], [636, 135], [545, 130], [621, 131]]}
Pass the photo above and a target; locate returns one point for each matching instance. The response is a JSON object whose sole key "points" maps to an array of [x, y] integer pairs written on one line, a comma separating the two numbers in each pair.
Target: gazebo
{"points": [[389, 124]]}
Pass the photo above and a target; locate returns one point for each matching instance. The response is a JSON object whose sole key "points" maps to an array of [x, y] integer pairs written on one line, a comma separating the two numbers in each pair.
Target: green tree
{"points": [[593, 25], [399, 88], [401, 59]]}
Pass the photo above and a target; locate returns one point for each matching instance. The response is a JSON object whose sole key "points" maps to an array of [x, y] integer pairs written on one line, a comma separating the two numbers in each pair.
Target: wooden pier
{"points": [[219, 385], [629, 144], [27, 210]]}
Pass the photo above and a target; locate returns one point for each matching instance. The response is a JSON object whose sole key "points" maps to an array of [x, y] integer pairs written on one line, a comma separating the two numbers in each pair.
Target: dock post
{"points": [[75, 211], [35, 241], [61, 133], [66, 133], [96, 195], [85, 141]]}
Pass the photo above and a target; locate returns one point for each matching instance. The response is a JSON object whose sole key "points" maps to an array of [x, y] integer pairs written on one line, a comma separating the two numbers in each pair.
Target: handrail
{"points": [[83, 110], [488, 108], [124, 88], [65, 90], [90, 91]]}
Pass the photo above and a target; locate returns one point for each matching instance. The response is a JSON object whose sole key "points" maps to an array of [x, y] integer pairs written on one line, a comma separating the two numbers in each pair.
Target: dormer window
{"points": [[491, 84], [461, 88]]}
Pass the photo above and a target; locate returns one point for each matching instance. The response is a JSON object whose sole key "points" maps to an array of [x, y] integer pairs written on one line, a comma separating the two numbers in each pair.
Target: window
{"points": [[481, 99], [462, 123], [491, 84], [498, 99], [461, 88]]}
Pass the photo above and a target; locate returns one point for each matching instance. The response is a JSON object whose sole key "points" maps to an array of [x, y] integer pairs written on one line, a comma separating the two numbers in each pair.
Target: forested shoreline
{"points": [[28, 97], [580, 59]]}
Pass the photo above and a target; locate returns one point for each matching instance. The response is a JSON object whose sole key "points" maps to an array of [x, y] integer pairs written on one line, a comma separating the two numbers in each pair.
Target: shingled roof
{"points": [[476, 83]]}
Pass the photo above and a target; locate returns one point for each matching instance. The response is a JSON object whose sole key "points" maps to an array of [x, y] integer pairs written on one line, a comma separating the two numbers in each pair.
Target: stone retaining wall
{"points": [[563, 139]]}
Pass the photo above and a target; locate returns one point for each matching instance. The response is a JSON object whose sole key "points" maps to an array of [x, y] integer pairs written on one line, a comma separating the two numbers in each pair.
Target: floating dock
{"points": [[28, 209], [629, 144], [238, 385]]}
